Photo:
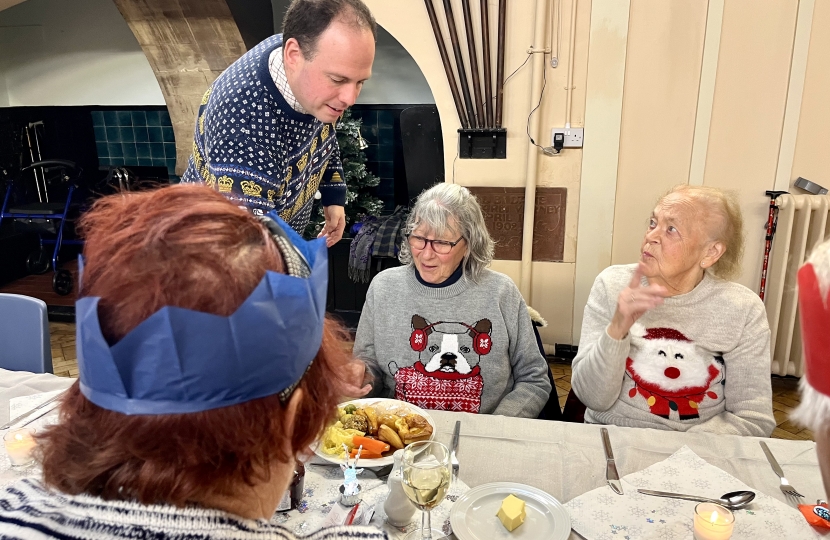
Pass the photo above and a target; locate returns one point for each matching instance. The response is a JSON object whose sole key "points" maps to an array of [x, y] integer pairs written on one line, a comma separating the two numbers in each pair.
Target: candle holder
{"points": [[349, 500], [19, 445], [713, 522]]}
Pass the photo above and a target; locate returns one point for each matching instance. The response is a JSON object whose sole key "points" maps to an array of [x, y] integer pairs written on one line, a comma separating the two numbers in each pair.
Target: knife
{"points": [[12, 422], [456, 433], [611, 474]]}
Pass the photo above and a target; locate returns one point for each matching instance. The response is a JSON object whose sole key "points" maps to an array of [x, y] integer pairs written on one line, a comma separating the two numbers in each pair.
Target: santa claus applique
{"points": [[446, 375], [671, 374]]}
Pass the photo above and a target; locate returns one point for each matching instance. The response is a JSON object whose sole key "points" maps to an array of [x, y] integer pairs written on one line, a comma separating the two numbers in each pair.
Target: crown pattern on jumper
{"points": [[250, 188], [225, 184], [302, 162], [182, 361], [197, 157]]}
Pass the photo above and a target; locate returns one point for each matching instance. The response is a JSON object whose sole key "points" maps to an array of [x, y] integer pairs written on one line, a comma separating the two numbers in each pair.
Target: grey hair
{"points": [[450, 207]]}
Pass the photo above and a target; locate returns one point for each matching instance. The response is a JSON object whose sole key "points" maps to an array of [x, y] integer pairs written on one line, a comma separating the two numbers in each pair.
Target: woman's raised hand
{"points": [[633, 302]]}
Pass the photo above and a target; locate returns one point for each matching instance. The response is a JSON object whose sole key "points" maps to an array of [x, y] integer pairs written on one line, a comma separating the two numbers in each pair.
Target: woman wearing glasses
{"points": [[445, 332]]}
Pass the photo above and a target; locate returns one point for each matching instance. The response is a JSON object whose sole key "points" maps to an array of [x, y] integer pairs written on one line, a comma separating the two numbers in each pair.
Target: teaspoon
{"points": [[732, 500]]}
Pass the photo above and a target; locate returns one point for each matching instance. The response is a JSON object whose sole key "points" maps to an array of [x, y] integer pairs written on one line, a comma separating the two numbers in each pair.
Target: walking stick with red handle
{"points": [[772, 223]]}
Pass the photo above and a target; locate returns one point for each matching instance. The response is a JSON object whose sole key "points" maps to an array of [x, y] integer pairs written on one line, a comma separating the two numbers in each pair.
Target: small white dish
{"points": [[473, 516], [379, 462]]}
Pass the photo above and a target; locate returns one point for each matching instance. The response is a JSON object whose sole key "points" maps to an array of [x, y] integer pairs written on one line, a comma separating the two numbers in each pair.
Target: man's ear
{"points": [[292, 54]]}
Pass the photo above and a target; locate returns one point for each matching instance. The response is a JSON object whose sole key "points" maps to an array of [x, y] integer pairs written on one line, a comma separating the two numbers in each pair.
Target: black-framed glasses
{"points": [[442, 247]]}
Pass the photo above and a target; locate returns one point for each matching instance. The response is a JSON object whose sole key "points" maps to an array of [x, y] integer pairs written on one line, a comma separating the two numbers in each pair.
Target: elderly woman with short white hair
{"points": [[670, 343], [814, 308], [444, 331]]}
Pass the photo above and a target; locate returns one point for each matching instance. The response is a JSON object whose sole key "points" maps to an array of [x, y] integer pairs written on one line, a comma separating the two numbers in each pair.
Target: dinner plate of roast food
{"points": [[377, 427]]}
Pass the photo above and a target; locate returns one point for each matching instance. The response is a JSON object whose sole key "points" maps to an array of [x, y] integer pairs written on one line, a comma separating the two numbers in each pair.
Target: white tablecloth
{"points": [[21, 383], [563, 459], [567, 460]]}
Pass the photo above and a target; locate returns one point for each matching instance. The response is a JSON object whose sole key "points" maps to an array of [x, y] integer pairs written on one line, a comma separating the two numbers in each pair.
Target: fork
{"points": [[785, 487]]}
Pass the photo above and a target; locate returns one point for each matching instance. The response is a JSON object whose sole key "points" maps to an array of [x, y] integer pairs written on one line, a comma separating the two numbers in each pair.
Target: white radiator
{"points": [[802, 224]]}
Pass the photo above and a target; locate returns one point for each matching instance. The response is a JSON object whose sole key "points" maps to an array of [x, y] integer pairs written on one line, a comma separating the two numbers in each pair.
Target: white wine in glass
{"points": [[425, 469], [426, 487]]}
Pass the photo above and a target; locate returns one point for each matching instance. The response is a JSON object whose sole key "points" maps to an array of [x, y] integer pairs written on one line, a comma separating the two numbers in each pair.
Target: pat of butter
{"points": [[512, 512]]}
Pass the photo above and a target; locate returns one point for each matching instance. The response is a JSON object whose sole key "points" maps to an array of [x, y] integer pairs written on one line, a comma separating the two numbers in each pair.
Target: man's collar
{"points": [[276, 66]]}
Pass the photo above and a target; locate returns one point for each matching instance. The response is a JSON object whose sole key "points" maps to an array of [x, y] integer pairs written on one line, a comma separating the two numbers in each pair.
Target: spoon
{"points": [[732, 500]]}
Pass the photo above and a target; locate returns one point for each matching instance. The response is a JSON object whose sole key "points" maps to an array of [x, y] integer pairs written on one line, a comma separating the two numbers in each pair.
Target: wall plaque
{"points": [[503, 210]]}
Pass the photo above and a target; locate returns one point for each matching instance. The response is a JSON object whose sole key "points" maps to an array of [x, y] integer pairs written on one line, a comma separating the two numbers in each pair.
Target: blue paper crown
{"points": [[183, 361]]}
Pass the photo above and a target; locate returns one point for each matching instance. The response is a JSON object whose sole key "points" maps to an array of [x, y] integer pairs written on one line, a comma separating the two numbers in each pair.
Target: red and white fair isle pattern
{"points": [[438, 390]]}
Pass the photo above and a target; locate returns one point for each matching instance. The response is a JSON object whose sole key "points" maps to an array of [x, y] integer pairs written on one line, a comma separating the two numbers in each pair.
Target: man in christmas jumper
{"points": [[265, 132]]}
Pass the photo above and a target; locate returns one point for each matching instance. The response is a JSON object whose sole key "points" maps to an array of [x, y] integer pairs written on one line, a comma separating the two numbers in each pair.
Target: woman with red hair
{"points": [[206, 368]]}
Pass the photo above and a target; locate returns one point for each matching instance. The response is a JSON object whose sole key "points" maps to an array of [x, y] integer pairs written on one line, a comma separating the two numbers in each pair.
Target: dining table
{"points": [[563, 459]]}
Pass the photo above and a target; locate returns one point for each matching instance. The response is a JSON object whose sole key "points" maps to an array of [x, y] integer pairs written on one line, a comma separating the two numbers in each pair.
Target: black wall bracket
{"points": [[482, 143]]}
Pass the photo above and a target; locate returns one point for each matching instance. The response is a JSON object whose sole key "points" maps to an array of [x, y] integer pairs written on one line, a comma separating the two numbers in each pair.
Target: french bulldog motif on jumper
{"points": [[671, 374], [446, 375]]}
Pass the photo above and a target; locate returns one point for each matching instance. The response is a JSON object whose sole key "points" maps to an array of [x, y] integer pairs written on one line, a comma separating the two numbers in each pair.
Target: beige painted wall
{"points": [[662, 72], [812, 155], [748, 112]]}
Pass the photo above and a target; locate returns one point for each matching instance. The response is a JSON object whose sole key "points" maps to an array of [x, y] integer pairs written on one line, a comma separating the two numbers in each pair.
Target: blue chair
{"points": [[24, 334]]}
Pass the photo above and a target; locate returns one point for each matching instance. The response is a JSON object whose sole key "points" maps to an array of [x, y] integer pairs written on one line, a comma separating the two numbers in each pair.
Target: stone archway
{"points": [[188, 44]]}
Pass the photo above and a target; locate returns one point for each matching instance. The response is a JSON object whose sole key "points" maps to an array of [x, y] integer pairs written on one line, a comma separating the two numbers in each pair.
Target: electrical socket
{"points": [[573, 136]]}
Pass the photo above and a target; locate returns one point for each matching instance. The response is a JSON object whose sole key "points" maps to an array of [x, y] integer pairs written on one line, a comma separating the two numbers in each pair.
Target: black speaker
{"points": [[423, 148]]}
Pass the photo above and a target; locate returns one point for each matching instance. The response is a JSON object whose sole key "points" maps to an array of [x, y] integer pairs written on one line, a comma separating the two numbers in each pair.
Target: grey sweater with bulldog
{"points": [[466, 347], [699, 362]]}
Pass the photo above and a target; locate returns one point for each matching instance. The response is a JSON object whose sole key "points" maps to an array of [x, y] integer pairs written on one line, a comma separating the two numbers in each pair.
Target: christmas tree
{"points": [[360, 183]]}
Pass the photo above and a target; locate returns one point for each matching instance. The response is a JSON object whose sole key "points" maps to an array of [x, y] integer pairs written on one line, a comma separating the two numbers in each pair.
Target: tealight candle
{"points": [[713, 522], [19, 445]]}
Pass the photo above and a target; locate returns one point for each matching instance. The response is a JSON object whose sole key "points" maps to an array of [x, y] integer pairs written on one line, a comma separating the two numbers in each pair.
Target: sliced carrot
{"points": [[372, 445], [365, 454]]}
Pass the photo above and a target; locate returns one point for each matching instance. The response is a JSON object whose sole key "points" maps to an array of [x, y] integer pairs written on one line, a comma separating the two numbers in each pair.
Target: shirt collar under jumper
{"points": [[276, 66]]}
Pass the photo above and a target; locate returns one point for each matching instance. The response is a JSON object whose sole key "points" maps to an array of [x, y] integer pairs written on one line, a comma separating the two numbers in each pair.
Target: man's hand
{"points": [[335, 224]]}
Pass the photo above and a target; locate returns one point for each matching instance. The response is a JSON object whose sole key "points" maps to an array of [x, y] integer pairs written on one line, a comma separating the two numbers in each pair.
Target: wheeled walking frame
{"points": [[55, 213]]}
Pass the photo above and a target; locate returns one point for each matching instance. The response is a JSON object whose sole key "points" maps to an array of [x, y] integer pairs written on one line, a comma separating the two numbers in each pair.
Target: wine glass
{"points": [[425, 471]]}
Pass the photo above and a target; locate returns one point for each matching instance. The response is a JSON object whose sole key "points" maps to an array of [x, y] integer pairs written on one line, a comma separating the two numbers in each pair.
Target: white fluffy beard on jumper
{"points": [[670, 363]]}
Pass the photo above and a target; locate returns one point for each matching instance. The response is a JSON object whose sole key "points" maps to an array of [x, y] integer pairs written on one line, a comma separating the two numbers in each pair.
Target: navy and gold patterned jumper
{"points": [[252, 147]]}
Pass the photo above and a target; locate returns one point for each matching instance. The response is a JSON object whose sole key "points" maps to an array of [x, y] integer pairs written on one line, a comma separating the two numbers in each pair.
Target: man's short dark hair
{"points": [[305, 20]]}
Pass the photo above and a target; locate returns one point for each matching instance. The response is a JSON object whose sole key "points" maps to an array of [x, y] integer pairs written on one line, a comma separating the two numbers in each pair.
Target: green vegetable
{"points": [[350, 409]]}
